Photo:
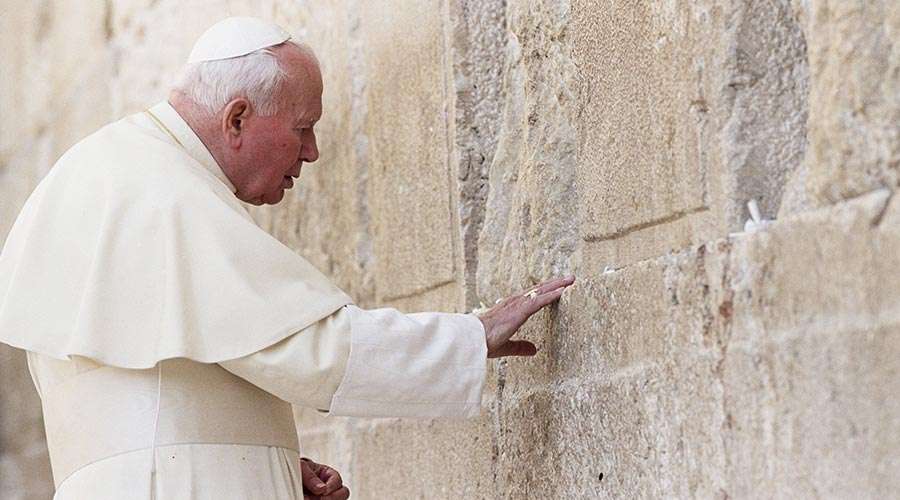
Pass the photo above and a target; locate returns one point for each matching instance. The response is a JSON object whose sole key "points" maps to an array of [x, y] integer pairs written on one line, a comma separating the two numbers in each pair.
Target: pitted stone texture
{"points": [[854, 56], [753, 366], [424, 459], [639, 139], [811, 415], [409, 125], [529, 233], [767, 91], [629, 435], [812, 350], [478, 47], [718, 373], [688, 111]]}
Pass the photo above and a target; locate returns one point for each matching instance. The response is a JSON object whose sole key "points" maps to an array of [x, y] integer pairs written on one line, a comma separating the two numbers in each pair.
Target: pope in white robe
{"points": [[168, 335]]}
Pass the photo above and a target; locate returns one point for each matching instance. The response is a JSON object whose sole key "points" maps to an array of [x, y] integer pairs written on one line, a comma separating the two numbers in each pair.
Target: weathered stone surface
{"points": [[640, 153], [529, 231], [478, 45], [704, 111], [471, 149], [765, 91], [409, 125], [717, 372], [854, 132], [424, 459]]}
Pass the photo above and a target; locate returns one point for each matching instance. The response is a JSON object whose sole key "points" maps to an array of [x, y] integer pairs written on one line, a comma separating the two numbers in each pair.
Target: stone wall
{"points": [[470, 149]]}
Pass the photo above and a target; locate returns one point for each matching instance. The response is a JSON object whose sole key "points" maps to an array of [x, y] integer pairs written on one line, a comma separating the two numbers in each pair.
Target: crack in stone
{"points": [[646, 225]]}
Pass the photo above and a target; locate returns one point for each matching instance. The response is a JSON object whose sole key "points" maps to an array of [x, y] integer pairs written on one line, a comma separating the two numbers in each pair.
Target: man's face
{"points": [[273, 148]]}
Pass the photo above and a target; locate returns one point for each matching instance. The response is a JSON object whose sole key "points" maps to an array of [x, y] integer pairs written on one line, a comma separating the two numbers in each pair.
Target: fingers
{"points": [[309, 477], [503, 320], [553, 284], [514, 348], [332, 478], [322, 481], [545, 299]]}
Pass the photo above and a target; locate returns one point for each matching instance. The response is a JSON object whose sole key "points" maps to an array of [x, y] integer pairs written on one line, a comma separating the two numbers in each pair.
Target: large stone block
{"points": [[811, 351], [409, 126], [640, 150], [645, 433], [812, 414], [478, 48], [530, 228], [731, 369], [854, 132], [830, 268], [766, 96], [625, 320], [688, 111], [424, 459]]}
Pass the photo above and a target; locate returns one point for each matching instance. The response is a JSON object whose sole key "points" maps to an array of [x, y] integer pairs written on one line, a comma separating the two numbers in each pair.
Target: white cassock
{"points": [[167, 334]]}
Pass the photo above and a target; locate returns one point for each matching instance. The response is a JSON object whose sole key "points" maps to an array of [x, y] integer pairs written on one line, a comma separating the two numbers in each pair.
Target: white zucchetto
{"points": [[235, 37]]}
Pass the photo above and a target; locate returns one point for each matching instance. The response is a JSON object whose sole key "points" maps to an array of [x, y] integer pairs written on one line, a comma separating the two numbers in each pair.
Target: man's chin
{"points": [[272, 199]]}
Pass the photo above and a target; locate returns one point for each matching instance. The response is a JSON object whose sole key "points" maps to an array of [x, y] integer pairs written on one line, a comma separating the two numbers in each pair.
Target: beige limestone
{"points": [[854, 58], [408, 124], [471, 149], [640, 161]]}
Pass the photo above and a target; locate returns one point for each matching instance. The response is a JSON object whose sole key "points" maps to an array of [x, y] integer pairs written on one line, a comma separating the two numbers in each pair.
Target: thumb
{"points": [[308, 474]]}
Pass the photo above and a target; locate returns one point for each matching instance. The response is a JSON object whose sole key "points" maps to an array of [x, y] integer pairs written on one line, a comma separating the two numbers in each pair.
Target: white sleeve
{"points": [[376, 363], [303, 369], [412, 365]]}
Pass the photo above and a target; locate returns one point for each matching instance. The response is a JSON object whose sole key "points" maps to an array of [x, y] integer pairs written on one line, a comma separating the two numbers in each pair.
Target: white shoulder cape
{"points": [[132, 251]]}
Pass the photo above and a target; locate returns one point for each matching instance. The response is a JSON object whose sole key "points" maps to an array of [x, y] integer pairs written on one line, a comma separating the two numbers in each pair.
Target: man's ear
{"points": [[233, 119]]}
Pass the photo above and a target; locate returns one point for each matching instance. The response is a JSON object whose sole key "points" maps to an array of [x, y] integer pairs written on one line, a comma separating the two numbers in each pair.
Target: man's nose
{"points": [[310, 151]]}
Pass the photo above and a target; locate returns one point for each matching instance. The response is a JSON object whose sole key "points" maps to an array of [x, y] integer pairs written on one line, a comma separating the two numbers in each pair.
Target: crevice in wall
{"points": [[675, 216], [478, 53], [767, 95]]}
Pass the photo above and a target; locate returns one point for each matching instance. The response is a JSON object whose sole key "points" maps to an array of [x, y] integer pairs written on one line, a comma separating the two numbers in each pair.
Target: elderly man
{"points": [[167, 334]]}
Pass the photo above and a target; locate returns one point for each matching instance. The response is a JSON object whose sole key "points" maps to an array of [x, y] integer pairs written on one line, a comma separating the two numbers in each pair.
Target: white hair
{"points": [[256, 76]]}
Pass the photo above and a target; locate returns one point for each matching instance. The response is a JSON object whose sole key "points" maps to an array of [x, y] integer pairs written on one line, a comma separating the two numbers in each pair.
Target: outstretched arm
{"points": [[384, 363]]}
